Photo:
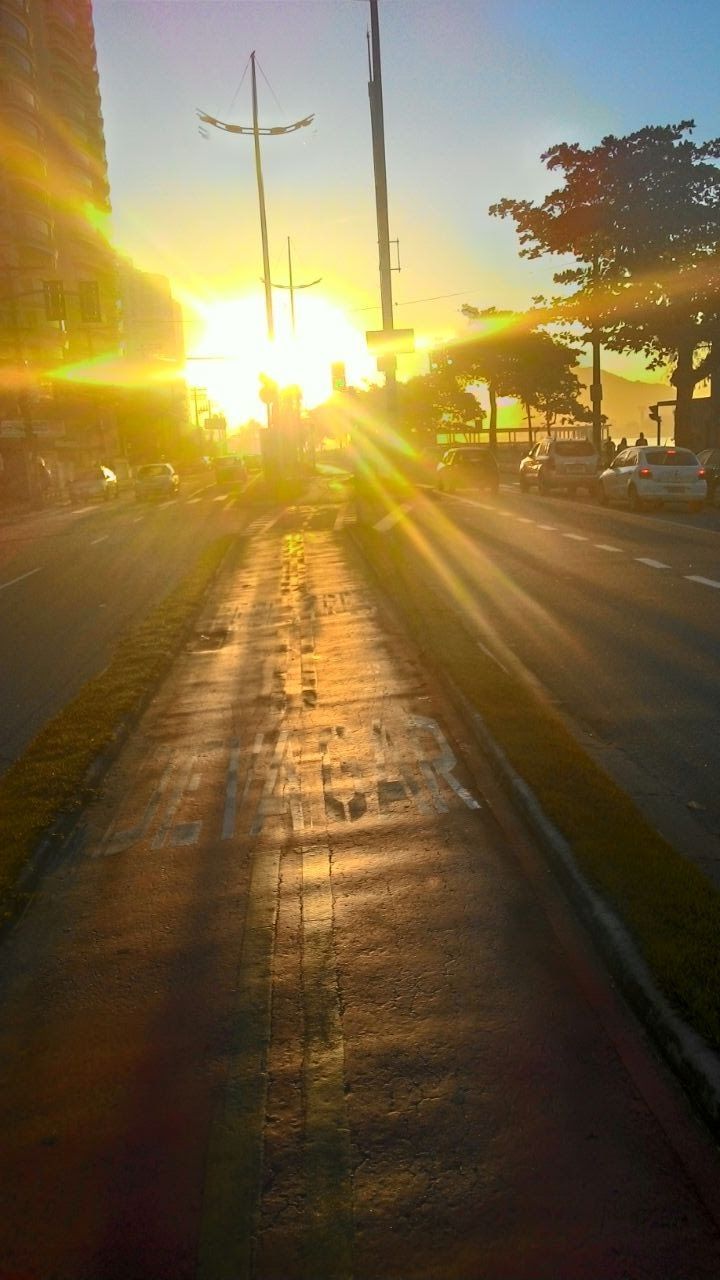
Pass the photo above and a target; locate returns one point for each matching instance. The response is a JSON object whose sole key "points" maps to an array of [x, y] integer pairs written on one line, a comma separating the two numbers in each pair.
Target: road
{"points": [[617, 616], [72, 580], [301, 1000]]}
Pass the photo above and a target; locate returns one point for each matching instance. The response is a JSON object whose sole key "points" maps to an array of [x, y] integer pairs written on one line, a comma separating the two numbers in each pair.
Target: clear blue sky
{"points": [[474, 91]]}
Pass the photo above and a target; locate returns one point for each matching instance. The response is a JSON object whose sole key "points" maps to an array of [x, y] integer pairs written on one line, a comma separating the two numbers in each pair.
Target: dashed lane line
{"points": [[704, 582], [652, 564], [104, 537], [551, 528], [392, 517], [21, 578], [576, 537], [605, 546]]}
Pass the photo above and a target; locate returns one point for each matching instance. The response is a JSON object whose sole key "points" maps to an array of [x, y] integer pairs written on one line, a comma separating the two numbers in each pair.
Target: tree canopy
{"points": [[641, 217]]}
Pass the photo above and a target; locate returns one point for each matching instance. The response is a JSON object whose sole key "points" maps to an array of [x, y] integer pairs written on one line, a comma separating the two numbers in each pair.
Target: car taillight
{"points": [[701, 473], [645, 472]]}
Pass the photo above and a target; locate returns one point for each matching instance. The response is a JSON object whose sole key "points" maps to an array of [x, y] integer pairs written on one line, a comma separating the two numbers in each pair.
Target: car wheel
{"points": [[634, 499], [602, 496], [524, 486], [543, 486]]}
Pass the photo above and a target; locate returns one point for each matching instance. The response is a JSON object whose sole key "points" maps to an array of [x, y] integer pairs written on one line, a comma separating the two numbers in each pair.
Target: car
{"points": [[95, 482], [709, 460], [651, 475], [467, 467], [569, 463], [156, 480], [230, 471]]}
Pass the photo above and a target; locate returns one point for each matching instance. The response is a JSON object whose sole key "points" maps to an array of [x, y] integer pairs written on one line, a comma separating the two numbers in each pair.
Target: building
{"points": [[58, 278], [154, 411]]}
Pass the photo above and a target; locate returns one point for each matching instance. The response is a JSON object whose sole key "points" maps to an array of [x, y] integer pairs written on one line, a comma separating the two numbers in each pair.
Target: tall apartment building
{"points": [[58, 281]]}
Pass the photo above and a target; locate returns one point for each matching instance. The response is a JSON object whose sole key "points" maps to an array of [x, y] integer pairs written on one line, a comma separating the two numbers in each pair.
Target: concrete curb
{"points": [[690, 1057]]}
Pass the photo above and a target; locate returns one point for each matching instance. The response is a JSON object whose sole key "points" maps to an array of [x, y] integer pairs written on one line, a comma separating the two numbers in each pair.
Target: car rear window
{"points": [[473, 455], [574, 448], [153, 469], [670, 458]]}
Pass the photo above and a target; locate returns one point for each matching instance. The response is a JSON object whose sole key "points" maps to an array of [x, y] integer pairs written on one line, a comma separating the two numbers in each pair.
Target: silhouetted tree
{"points": [[641, 217]]}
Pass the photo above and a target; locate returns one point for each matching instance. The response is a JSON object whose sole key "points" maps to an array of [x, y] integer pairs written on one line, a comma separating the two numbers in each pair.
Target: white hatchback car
{"points": [[650, 475]]}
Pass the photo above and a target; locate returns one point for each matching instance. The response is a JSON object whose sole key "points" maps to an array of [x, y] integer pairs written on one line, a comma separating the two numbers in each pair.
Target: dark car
{"points": [[156, 480], [709, 459], [230, 471], [467, 467]]}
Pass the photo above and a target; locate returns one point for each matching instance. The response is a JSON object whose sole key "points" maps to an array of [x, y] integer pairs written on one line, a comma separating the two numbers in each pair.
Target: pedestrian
{"points": [[641, 439], [608, 452], [622, 445]]}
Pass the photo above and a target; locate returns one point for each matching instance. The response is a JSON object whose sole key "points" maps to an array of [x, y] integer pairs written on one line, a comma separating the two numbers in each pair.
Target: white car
{"points": [[650, 475]]}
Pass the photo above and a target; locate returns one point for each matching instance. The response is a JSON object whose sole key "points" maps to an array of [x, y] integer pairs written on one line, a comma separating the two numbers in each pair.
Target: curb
{"points": [[690, 1057]]}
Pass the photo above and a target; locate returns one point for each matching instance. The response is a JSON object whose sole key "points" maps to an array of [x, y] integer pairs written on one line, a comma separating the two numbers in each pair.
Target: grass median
{"points": [[668, 905], [43, 790]]}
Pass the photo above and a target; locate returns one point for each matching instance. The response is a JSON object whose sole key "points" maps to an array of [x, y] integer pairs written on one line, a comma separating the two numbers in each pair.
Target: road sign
{"points": [[390, 342]]}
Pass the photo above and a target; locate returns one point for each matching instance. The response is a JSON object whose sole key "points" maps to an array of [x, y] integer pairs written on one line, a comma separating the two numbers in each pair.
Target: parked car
{"points": [[651, 475], [709, 460], [92, 483], [156, 480], [230, 471], [568, 464], [467, 467]]}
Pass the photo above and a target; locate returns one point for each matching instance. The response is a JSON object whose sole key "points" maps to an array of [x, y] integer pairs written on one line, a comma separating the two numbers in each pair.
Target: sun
{"points": [[234, 350]]}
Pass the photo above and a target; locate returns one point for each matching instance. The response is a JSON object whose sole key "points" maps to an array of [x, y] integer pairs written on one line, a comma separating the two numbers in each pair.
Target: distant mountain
{"points": [[626, 403]]}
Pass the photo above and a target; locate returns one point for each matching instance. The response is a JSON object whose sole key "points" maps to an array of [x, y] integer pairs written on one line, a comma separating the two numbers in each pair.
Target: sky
{"points": [[474, 92]]}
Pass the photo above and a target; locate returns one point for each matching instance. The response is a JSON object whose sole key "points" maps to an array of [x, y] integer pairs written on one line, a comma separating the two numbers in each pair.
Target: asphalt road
{"points": [[73, 580], [301, 1000], [617, 616]]}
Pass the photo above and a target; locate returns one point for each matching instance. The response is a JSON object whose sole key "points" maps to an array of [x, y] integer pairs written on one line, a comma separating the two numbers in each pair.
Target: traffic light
{"points": [[654, 413], [337, 372], [89, 292], [54, 292]]}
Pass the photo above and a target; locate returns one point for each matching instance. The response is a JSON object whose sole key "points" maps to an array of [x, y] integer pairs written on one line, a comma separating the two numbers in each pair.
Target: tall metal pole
{"points": [[381, 198], [261, 200], [596, 386], [292, 291]]}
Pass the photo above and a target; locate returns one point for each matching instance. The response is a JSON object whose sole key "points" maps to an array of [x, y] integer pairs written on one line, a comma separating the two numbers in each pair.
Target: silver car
{"points": [[568, 464], [93, 483], [156, 480], [651, 475]]}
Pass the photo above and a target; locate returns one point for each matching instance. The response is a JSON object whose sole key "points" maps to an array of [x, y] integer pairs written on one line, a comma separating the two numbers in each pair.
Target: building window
{"points": [[20, 61], [14, 27], [39, 228]]}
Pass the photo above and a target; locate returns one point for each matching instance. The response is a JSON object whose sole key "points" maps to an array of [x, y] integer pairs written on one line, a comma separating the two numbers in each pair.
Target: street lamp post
{"points": [[256, 132]]}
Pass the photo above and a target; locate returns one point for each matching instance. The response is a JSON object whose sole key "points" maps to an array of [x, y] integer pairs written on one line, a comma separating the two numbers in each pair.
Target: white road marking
{"points": [[551, 528], [392, 518], [704, 582], [605, 546], [492, 657], [138, 519], [524, 520], [104, 538], [576, 537], [652, 564], [22, 577], [191, 500]]}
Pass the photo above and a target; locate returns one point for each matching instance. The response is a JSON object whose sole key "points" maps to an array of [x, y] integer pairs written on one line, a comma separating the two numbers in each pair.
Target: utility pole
{"points": [[292, 286], [596, 386], [257, 132], [387, 363]]}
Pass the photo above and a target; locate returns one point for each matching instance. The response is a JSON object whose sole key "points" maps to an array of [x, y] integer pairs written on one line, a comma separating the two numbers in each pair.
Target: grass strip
{"points": [[668, 905], [52, 779]]}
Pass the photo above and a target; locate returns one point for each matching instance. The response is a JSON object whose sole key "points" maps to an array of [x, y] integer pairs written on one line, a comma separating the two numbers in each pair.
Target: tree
{"points": [[434, 402], [641, 217], [514, 359]]}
